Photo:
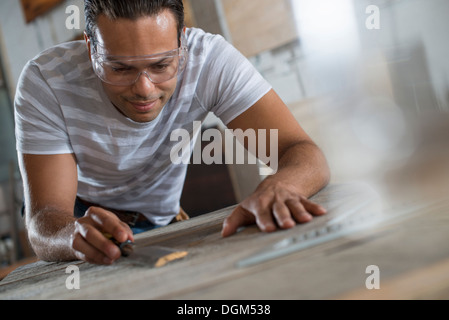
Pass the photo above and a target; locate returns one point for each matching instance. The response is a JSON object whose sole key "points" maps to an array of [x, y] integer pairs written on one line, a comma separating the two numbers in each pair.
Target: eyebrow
{"points": [[123, 62], [111, 57]]}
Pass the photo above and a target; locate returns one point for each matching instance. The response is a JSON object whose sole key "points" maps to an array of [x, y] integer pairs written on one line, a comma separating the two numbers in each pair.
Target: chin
{"points": [[142, 118], [146, 117]]}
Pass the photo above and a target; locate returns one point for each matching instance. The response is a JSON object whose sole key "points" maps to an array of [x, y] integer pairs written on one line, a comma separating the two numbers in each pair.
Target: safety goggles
{"points": [[126, 71]]}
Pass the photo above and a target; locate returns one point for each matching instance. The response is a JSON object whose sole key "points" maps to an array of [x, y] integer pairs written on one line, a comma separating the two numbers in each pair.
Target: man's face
{"points": [[144, 100]]}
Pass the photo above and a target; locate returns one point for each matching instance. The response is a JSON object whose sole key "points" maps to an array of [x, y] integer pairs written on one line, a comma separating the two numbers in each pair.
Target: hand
{"points": [[276, 206], [89, 242]]}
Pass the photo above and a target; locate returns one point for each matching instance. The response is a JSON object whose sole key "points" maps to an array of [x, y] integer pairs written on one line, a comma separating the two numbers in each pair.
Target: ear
{"points": [[182, 35], [88, 44]]}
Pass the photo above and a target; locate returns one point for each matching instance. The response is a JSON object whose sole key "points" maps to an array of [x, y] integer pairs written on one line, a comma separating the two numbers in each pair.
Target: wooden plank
{"points": [[409, 243], [7, 270], [429, 283], [212, 260], [259, 25], [403, 249], [35, 8]]}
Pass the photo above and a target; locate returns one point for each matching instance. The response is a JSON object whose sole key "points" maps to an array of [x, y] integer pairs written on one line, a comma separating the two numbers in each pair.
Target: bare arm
{"points": [[281, 200], [50, 188]]}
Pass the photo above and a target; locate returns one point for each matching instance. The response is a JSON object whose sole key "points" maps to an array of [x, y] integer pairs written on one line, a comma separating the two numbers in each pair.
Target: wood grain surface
{"points": [[407, 239]]}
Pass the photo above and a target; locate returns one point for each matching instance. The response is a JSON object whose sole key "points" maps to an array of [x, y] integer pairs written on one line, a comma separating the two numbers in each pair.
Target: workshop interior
{"points": [[368, 80]]}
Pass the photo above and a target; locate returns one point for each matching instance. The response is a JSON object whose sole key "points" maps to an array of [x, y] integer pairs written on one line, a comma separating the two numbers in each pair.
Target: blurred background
{"points": [[367, 79]]}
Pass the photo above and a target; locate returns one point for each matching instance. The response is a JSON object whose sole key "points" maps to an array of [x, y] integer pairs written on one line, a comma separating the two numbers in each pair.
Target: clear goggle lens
{"points": [[158, 68], [125, 71]]}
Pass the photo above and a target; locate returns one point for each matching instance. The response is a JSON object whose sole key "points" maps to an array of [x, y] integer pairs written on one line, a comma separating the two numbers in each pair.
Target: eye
{"points": [[120, 69], [160, 67]]}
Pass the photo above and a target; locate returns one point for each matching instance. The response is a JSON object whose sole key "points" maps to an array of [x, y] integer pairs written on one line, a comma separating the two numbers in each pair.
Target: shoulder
{"points": [[196, 36], [70, 58], [62, 52], [201, 42]]}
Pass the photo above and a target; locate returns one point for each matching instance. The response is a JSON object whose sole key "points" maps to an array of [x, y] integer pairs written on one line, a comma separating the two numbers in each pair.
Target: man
{"points": [[94, 124]]}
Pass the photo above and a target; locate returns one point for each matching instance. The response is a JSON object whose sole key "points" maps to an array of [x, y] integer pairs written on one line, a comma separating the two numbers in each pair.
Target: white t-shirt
{"points": [[61, 108]]}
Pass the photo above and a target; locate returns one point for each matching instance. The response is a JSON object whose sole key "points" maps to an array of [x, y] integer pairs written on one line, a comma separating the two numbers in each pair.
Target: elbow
{"points": [[49, 244], [38, 246], [49, 252]]}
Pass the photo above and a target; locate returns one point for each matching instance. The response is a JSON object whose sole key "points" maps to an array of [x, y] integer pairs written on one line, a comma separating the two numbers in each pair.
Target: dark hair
{"points": [[130, 9]]}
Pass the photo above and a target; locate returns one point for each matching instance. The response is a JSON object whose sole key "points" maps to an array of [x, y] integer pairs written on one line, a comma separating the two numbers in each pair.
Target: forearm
{"points": [[302, 166], [50, 234]]}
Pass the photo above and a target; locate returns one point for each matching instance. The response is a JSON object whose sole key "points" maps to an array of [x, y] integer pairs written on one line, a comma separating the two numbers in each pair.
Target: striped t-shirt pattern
{"points": [[61, 108]]}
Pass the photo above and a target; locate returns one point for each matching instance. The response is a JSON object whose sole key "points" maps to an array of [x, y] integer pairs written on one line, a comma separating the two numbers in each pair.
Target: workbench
{"points": [[331, 257]]}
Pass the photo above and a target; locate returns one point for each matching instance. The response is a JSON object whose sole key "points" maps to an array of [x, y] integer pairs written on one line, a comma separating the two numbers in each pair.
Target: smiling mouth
{"points": [[144, 106]]}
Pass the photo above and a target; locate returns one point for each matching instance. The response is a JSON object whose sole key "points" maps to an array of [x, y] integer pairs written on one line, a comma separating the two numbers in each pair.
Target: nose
{"points": [[143, 86]]}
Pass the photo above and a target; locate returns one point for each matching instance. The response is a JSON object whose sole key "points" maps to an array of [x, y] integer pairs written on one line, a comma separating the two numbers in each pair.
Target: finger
{"points": [[283, 215], [313, 208], [298, 212], [85, 252], [97, 240], [109, 223], [238, 218], [264, 219], [261, 207]]}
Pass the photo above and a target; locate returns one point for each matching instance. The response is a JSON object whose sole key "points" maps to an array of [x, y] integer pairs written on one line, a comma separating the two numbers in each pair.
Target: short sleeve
{"points": [[229, 84], [40, 126]]}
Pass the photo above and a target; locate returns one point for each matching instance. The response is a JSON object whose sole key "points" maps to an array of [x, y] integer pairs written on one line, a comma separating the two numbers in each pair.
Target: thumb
{"points": [[238, 218]]}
